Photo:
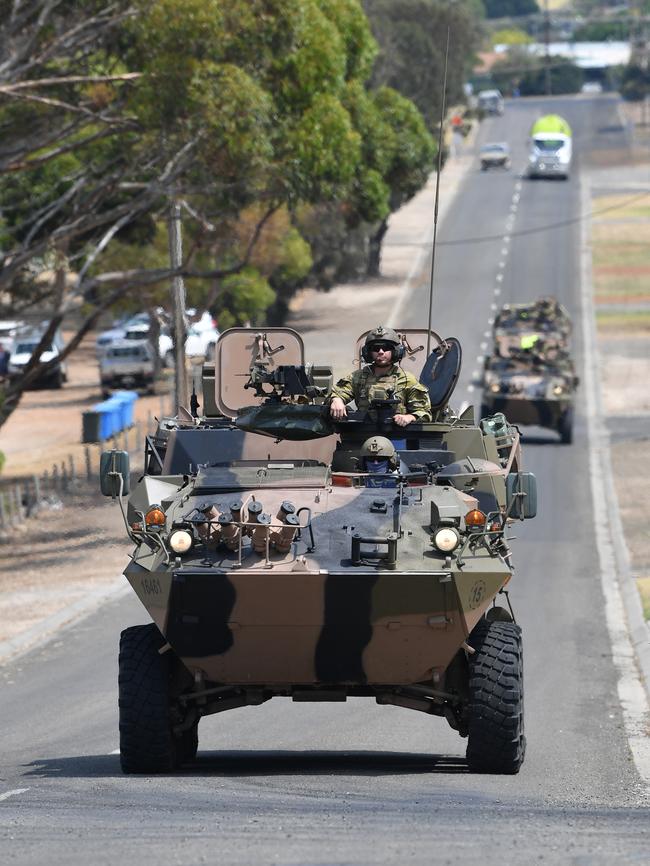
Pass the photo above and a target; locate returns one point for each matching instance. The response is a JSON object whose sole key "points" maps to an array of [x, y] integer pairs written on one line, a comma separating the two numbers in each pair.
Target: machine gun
{"points": [[286, 380]]}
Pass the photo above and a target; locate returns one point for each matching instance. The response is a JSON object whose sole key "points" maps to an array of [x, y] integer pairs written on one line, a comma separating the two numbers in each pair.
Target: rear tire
{"points": [[147, 744], [496, 741]]}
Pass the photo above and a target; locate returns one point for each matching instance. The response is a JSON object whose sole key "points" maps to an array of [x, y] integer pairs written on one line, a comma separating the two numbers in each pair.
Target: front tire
{"points": [[565, 426], [147, 744], [496, 741]]}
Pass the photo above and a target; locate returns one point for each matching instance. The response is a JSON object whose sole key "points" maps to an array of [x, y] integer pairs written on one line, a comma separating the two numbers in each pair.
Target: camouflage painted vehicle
{"points": [[545, 318], [274, 563], [529, 388], [530, 375]]}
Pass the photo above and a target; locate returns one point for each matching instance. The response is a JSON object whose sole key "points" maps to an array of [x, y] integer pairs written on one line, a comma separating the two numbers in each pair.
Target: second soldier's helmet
{"points": [[382, 335], [378, 448]]}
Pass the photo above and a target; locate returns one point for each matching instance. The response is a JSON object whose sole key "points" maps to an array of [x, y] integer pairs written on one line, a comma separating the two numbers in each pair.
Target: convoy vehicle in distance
{"points": [[495, 154], [550, 150], [530, 376], [127, 364], [491, 101], [54, 376], [277, 559]]}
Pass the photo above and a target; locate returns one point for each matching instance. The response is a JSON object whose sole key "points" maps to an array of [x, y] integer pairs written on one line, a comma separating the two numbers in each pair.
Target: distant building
{"points": [[586, 55]]}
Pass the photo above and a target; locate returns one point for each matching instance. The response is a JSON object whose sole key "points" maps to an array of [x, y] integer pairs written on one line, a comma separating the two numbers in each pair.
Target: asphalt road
{"points": [[355, 783]]}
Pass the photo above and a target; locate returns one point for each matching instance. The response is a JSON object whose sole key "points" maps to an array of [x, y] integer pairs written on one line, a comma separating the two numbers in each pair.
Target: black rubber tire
{"points": [[496, 741], [565, 426], [190, 744], [146, 741]]}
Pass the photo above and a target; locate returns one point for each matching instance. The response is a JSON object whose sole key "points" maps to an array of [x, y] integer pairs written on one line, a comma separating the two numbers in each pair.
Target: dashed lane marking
{"points": [[13, 793]]}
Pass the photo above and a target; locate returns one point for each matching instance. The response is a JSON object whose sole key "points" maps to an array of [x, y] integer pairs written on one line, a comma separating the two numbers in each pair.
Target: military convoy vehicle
{"points": [[276, 561], [530, 376]]}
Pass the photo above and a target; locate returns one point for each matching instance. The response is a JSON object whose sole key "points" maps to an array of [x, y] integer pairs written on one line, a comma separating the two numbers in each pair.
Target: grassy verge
{"points": [[621, 277], [643, 583]]}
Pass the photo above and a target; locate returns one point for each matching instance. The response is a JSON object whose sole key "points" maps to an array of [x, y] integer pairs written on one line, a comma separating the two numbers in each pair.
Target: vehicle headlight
{"points": [[180, 540], [558, 389], [446, 539], [495, 387]]}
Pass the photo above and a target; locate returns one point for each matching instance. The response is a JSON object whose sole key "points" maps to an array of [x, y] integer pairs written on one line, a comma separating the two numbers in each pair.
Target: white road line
{"points": [[497, 291], [487, 333], [8, 794], [499, 278], [483, 346], [608, 529], [494, 307], [506, 239], [502, 264], [490, 322], [504, 251], [470, 387]]}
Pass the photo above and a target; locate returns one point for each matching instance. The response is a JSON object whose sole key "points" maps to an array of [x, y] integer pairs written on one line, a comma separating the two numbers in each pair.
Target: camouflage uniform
{"points": [[363, 385]]}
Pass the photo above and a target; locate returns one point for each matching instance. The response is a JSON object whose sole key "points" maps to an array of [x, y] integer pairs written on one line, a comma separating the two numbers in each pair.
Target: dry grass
{"points": [[621, 251], [637, 323], [643, 584]]}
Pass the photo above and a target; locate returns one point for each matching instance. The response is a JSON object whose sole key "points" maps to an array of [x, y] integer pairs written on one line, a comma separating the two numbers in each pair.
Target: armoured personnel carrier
{"points": [[276, 561], [530, 376]]}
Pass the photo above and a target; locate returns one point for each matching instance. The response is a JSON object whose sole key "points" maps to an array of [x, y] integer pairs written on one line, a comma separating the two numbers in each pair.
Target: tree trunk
{"points": [[374, 253]]}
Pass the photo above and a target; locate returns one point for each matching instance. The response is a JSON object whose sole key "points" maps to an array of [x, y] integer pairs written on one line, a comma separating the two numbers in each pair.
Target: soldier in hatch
{"points": [[381, 378]]}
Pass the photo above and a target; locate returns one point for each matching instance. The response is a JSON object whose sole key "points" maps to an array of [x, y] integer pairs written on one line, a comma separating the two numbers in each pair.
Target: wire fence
{"points": [[21, 498]]}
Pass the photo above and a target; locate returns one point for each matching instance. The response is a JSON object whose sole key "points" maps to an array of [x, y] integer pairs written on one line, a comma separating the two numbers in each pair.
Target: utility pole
{"points": [[547, 55], [181, 393]]}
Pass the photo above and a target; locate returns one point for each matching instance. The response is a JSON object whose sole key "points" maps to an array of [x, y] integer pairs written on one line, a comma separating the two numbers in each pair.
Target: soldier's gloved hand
{"points": [[403, 420], [337, 409]]}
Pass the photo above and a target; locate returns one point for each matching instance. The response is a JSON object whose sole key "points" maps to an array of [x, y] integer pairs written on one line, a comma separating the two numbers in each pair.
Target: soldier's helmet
{"points": [[381, 334], [378, 450]]}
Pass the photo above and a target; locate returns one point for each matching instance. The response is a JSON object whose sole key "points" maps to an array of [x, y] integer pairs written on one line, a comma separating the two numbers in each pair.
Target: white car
{"points": [[141, 331], [22, 352], [9, 331], [201, 342]]}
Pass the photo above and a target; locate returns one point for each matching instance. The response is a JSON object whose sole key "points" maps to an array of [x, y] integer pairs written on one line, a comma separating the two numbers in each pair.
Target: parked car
{"points": [[142, 330], [491, 101], [111, 335], [201, 342], [10, 329], [23, 350], [127, 364]]}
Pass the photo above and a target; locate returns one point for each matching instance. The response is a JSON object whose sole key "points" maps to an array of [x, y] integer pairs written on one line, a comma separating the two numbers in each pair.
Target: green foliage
{"points": [[324, 147], [510, 36], [635, 83], [510, 8], [519, 69], [245, 298], [412, 36], [360, 47], [410, 149], [602, 31]]}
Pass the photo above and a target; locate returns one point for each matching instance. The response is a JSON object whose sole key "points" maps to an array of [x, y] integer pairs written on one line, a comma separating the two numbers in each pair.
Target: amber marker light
{"points": [[155, 516], [475, 519]]}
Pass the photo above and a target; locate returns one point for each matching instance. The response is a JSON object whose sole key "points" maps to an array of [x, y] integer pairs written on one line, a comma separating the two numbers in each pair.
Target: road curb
{"points": [[38, 634]]}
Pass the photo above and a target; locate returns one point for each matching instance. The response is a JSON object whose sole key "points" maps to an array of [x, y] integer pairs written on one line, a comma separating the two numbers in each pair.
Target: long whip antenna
{"points": [[435, 207]]}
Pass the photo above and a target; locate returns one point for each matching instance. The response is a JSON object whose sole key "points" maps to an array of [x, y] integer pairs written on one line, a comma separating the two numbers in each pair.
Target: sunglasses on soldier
{"points": [[381, 347]]}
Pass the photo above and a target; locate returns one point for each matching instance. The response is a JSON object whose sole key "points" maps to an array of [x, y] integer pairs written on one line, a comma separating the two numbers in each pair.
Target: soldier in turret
{"points": [[382, 378]]}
